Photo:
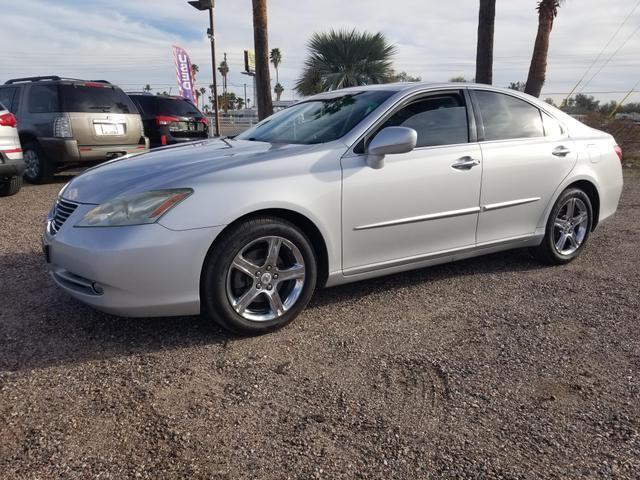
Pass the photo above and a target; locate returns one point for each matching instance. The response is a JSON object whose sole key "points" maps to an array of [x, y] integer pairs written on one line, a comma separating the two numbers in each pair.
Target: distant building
{"points": [[633, 116]]}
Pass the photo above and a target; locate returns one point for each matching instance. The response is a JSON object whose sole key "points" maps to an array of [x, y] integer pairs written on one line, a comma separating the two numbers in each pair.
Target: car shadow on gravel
{"points": [[42, 327]]}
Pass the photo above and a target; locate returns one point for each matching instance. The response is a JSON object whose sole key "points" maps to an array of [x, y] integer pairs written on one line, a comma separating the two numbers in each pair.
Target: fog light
{"points": [[97, 288]]}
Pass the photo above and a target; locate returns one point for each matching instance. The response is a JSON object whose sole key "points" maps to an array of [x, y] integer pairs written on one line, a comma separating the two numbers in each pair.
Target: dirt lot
{"points": [[495, 367]]}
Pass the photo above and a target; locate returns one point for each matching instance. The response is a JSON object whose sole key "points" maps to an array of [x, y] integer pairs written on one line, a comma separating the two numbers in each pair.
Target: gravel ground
{"points": [[495, 367]]}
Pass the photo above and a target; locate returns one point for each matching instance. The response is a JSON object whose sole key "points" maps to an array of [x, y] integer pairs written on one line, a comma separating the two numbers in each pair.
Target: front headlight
{"points": [[136, 209]]}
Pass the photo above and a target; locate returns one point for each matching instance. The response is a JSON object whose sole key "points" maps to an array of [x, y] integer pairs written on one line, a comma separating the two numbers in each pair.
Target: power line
{"points": [[603, 49], [611, 57]]}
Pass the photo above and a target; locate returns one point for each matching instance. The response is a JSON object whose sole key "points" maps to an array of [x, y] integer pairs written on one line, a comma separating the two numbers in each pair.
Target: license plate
{"points": [[109, 128]]}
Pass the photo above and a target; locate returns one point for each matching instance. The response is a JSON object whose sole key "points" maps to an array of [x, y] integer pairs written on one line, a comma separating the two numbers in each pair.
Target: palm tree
{"points": [[484, 53], [203, 91], [224, 71], [194, 69], [276, 59], [261, 46], [147, 88], [278, 91], [343, 58], [547, 12]]}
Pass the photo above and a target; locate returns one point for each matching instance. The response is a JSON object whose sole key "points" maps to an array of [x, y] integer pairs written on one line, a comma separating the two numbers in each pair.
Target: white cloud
{"points": [[129, 42]]}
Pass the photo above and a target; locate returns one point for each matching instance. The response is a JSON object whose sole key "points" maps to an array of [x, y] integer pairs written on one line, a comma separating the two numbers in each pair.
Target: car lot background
{"points": [[495, 367]]}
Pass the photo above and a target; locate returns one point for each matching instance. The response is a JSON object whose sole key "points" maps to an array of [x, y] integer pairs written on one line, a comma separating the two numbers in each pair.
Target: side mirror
{"points": [[389, 141]]}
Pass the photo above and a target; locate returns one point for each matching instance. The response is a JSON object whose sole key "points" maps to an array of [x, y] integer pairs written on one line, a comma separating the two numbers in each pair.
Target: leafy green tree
{"points": [[403, 77], [147, 88], [520, 86], [345, 58], [459, 79]]}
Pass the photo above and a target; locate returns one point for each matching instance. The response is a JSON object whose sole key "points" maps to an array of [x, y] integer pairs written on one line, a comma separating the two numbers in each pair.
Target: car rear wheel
{"points": [[568, 228], [259, 277], [39, 168], [10, 187]]}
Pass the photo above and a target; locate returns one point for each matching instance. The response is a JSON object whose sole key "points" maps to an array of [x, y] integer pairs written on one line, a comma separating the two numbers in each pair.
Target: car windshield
{"points": [[317, 121]]}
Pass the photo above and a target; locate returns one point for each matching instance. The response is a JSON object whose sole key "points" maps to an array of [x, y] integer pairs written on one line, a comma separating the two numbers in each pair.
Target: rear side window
{"points": [[552, 128], [87, 99], [439, 120], [146, 104], [506, 117], [169, 106], [9, 98], [43, 99]]}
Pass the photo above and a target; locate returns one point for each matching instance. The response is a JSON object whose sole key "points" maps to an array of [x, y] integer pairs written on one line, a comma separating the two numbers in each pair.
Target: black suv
{"points": [[66, 122], [168, 120]]}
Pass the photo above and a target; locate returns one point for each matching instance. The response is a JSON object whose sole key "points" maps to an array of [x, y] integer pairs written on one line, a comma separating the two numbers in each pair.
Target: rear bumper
{"points": [[11, 167], [172, 140], [63, 150]]}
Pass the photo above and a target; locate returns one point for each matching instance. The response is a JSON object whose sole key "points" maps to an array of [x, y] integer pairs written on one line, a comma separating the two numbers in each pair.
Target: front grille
{"points": [[61, 211]]}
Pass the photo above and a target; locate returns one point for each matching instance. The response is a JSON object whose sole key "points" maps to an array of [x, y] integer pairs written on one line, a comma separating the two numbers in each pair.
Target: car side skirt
{"points": [[431, 259]]}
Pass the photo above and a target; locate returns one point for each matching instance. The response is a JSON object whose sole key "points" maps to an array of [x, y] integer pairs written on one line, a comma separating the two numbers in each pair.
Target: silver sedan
{"points": [[343, 186]]}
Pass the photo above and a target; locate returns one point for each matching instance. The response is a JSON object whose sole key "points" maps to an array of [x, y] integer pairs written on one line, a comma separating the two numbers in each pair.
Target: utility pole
{"points": [[209, 5], [261, 45]]}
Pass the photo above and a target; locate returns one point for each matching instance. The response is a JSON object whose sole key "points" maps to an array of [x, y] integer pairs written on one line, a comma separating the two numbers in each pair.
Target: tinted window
{"points": [[43, 99], [506, 117], [552, 128], [440, 120], [7, 95], [81, 98], [317, 121], [170, 106], [146, 104]]}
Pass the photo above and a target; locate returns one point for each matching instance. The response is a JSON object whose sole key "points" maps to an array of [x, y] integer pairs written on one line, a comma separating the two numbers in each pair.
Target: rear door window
{"points": [[506, 117], [95, 99], [43, 99]]}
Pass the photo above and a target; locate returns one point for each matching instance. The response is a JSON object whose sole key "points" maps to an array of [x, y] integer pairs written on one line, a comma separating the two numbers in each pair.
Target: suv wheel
{"points": [[10, 187], [39, 167], [259, 277]]}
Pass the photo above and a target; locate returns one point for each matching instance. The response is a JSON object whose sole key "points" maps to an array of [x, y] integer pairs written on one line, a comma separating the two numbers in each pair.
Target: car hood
{"points": [[171, 167]]}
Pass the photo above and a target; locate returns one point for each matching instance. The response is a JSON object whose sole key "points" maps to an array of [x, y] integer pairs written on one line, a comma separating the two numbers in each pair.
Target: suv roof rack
{"points": [[52, 78]]}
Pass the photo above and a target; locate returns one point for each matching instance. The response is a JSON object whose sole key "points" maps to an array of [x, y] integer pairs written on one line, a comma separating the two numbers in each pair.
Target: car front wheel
{"points": [[568, 228], [259, 276]]}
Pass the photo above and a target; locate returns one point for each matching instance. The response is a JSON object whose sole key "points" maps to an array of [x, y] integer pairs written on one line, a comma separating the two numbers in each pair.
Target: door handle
{"points": [[561, 151], [465, 163]]}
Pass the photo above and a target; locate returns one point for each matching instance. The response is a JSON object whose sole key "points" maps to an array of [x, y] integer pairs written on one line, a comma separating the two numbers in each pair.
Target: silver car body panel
{"points": [[414, 212]]}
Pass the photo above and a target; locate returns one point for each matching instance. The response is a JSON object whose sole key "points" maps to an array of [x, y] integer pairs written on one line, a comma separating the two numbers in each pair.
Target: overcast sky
{"points": [[129, 41]]}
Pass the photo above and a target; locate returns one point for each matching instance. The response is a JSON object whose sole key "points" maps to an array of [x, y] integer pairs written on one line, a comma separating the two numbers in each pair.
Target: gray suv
{"points": [[65, 123]]}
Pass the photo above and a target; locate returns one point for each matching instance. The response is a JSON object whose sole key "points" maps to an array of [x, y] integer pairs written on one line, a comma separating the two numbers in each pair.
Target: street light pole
{"points": [[212, 36], [209, 5]]}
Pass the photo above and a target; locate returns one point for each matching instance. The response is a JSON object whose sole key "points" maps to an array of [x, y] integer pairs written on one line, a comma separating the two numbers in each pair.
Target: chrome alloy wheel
{"points": [[265, 279], [570, 226], [32, 164]]}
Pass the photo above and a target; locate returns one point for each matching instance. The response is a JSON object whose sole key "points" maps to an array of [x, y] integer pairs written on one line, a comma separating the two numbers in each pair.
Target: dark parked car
{"points": [[64, 123], [169, 119]]}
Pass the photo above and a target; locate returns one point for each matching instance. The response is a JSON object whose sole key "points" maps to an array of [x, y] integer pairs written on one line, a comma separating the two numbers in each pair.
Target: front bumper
{"points": [[134, 271], [66, 150]]}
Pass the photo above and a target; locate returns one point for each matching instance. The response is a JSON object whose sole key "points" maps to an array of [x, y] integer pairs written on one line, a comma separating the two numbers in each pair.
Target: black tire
{"points": [[10, 187], [43, 170], [217, 269], [547, 251]]}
